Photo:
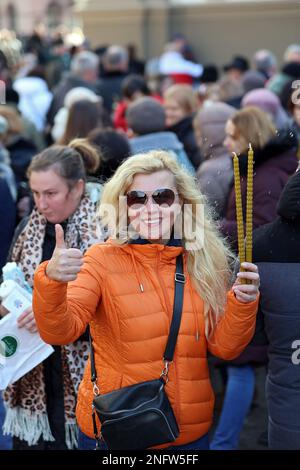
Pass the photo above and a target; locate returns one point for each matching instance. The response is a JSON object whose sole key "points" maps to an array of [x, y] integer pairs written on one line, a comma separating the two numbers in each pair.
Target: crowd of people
{"points": [[82, 128]]}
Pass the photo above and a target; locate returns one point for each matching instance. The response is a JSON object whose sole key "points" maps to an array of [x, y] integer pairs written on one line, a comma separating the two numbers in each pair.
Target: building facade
{"points": [[215, 28], [23, 16]]}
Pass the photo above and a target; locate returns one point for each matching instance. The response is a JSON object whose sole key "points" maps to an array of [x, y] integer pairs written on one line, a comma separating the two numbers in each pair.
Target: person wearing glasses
{"points": [[124, 289]]}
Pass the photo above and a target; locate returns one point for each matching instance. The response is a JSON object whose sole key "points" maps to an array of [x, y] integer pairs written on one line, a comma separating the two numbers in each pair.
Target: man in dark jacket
{"points": [[84, 73], [115, 64], [276, 251]]}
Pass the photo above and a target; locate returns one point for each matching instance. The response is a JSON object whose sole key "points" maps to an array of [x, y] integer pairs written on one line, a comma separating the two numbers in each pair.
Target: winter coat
{"points": [[276, 250], [272, 167], [215, 178], [8, 220], [162, 141], [215, 174], [21, 151], [35, 99], [6, 172], [60, 91], [185, 133], [129, 326], [109, 87]]}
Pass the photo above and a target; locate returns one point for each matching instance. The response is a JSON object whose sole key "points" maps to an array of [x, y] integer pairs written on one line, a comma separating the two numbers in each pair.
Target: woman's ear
{"points": [[79, 187]]}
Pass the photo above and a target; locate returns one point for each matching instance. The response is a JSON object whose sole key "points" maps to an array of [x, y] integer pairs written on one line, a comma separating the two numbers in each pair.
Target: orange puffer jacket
{"points": [[126, 294]]}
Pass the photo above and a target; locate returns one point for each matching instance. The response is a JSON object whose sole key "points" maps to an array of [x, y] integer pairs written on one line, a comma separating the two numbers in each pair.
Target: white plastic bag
{"points": [[20, 350]]}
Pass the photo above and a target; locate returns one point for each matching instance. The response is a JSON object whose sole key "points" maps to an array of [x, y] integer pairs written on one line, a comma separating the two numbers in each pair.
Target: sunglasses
{"points": [[161, 197]]}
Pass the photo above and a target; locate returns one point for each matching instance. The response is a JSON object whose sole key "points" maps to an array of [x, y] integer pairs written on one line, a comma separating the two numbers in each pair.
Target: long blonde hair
{"points": [[209, 265]]}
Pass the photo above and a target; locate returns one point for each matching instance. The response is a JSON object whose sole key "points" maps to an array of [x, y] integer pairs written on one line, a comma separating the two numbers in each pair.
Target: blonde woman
{"points": [[124, 289], [180, 104]]}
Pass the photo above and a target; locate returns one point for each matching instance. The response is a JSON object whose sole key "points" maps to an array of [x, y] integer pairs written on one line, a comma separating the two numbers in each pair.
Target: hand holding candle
{"points": [[248, 271]]}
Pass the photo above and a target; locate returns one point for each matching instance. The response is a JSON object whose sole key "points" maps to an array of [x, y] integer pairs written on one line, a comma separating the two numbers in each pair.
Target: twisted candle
{"points": [[249, 207], [239, 209]]}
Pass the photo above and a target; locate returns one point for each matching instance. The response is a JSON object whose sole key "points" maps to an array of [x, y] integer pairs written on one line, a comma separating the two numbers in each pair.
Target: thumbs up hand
{"points": [[65, 263]]}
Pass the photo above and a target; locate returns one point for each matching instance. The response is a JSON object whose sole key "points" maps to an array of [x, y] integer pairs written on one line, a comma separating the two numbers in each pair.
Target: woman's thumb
{"points": [[59, 237]]}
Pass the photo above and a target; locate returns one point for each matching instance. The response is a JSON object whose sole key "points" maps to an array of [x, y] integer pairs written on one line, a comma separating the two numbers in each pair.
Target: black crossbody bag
{"points": [[140, 416]]}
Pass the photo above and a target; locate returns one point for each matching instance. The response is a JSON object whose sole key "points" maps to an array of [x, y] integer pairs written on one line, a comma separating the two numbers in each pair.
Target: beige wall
{"points": [[216, 31], [29, 13]]}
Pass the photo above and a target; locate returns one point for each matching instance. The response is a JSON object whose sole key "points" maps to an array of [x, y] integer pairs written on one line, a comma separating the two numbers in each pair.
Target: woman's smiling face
{"points": [[151, 220]]}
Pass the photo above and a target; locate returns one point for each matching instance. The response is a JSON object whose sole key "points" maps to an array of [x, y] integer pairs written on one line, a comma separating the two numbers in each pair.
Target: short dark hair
{"points": [[113, 148], [134, 83], [145, 116]]}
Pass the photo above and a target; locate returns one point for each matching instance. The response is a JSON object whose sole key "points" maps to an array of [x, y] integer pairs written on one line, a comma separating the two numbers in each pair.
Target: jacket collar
{"points": [[143, 241], [282, 147]]}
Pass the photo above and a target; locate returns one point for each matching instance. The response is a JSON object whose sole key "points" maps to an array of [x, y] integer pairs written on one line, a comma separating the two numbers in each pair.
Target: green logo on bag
{"points": [[8, 346]]}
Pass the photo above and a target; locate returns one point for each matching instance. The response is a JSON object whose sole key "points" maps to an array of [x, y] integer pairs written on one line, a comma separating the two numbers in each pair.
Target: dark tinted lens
{"points": [[136, 199], [164, 197]]}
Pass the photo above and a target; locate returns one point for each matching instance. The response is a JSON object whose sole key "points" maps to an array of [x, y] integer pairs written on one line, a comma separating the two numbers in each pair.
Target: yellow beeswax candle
{"points": [[239, 209], [249, 207]]}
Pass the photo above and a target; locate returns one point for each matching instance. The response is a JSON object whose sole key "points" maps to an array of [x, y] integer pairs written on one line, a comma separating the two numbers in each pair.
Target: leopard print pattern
{"points": [[29, 391]]}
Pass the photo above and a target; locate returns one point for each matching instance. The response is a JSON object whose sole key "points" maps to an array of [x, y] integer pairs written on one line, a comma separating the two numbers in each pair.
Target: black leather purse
{"points": [[140, 416]]}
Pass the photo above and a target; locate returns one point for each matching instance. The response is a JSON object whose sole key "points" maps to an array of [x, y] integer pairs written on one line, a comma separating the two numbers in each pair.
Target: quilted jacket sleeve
{"points": [[235, 329], [63, 310]]}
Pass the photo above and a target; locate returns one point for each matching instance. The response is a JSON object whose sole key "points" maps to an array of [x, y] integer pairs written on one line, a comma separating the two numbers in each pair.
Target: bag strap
{"points": [[177, 310], [174, 328]]}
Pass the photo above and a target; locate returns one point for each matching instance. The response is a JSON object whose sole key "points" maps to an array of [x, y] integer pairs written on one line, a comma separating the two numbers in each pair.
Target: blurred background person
{"points": [[268, 102], [147, 120], [265, 62], [83, 117], [20, 148], [83, 73], [175, 67], [289, 70], [275, 160], [115, 69], [35, 97], [60, 119], [113, 149], [180, 104], [8, 197], [215, 173], [276, 250], [133, 88]]}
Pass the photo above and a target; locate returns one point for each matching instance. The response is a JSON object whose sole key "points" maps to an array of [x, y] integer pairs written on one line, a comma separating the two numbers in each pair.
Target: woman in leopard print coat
{"points": [[41, 405]]}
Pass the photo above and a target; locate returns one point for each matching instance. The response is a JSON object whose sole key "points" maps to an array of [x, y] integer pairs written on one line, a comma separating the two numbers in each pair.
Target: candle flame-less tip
{"points": [[250, 146]]}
